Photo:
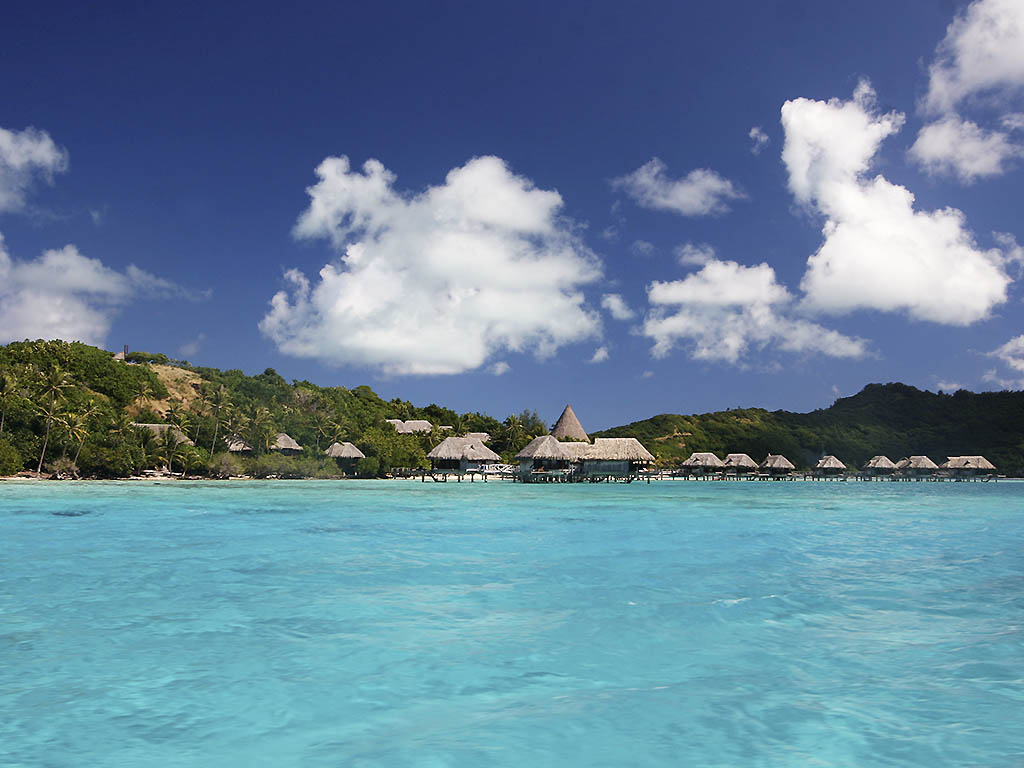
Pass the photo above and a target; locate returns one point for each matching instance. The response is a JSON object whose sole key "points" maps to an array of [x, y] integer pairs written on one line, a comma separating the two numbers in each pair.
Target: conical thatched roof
{"points": [[344, 451], [776, 461], [463, 448], [546, 447], [568, 427], [740, 461], [830, 462], [238, 445], [283, 442], [920, 462], [880, 462], [158, 429], [968, 462], [617, 449], [706, 460]]}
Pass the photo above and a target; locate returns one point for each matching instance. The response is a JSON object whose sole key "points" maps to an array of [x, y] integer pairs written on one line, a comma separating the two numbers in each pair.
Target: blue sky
{"points": [[638, 208]]}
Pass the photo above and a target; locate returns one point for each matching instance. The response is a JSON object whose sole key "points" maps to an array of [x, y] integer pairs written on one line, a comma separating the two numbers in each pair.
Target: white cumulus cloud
{"points": [[694, 254], [878, 251], [725, 309], [600, 355], [702, 192], [961, 148], [759, 138], [436, 282], [24, 156], [1012, 356], [65, 295], [617, 306]]}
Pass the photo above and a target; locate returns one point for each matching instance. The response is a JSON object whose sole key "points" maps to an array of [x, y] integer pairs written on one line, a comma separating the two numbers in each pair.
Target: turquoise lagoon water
{"points": [[408, 624]]}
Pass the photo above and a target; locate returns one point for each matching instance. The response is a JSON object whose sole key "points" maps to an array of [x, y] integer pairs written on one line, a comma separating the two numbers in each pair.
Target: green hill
{"points": [[895, 420]]}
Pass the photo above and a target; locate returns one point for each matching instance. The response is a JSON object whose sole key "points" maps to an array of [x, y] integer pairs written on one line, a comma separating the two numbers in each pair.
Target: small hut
{"points": [[568, 427], [180, 438], [612, 457], [968, 466], [458, 455], [544, 459], [238, 445], [739, 464], [703, 464], [879, 466], [829, 466], [775, 465], [285, 445], [411, 427], [917, 466], [346, 455], [483, 437]]}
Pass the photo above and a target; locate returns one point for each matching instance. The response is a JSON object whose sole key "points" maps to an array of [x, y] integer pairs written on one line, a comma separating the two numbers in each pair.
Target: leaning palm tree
{"points": [[76, 429], [54, 382], [220, 403]]}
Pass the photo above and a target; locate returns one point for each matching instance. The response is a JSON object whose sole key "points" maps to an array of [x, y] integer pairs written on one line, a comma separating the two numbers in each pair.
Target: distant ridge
{"points": [[568, 427]]}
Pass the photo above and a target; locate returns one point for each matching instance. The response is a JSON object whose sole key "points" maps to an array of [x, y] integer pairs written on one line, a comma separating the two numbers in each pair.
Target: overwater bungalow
{"points": [[346, 455], [739, 464], [285, 445], [829, 466], [879, 466], [611, 457], [568, 427], [776, 466], [703, 464], [461, 455], [916, 467], [545, 459], [968, 466], [180, 438]]}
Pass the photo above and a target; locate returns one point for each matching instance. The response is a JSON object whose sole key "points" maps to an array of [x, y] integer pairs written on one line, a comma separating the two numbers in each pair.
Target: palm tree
{"points": [[8, 394], [76, 428], [143, 392], [260, 429], [191, 458], [219, 401], [55, 381], [167, 446]]}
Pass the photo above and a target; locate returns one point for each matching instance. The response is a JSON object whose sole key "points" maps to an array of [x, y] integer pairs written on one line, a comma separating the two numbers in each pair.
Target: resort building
{"points": [[879, 466], [568, 427], [776, 466], [461, 455], [545, 460], [411, 427], [346, 455], [916, 467], [285, 445], [968, 466], [829, 466], [703, 464], [611, 457], [739, 464], [483, 437], [238, 445]]}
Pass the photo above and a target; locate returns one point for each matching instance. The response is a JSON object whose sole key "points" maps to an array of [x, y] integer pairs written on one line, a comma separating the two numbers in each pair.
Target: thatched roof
{"points": [[344, 451], [469, 448], [616, 449], [969, 462], [238, 445], [740, 461], [569, 427], [159, 429], [283, 442], [919, 462], [411, 426], [880, 462], [706, 460], [776, 461], [577, 451], [546, 447], [483, 437], [830, 462]]}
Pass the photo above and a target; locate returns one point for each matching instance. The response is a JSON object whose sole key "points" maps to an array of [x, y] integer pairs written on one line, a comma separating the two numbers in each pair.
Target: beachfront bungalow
{"points": [[703, 464], [739, 464], [238, 445], [459, 455], [568, 427], [545, 459], [968, 466], [285, 445], [483, 437], [180, 438], [346, 455], [611, 457], [776, 466], [879, 466], [829, 466], [916, 467]]}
